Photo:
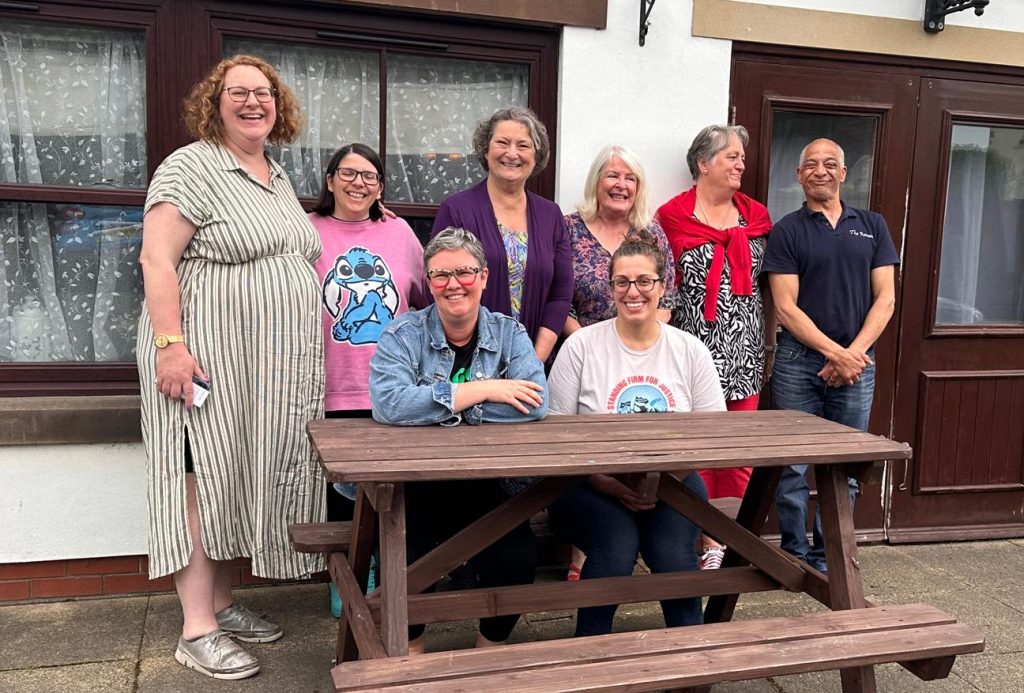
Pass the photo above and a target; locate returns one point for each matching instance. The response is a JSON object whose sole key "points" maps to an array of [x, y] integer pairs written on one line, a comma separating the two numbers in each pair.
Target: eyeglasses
{"points": [[241, 94], [349, 174], [465, 276], [643, 284]]}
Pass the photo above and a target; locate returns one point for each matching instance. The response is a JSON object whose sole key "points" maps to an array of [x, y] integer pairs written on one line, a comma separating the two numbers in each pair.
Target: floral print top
{"points": [[592, 298], [515, 250]]}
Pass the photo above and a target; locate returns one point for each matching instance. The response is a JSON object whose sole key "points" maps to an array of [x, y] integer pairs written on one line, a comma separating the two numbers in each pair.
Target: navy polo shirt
{"points": [[833, 265]]}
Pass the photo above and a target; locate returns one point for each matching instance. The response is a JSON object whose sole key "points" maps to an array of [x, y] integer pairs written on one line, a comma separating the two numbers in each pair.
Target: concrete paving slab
{"points": [[894, 570], [55, 634], [993, 673], [978, 564], [99, 677]]}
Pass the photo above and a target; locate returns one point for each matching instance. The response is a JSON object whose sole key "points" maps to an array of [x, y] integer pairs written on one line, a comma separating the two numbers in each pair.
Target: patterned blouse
{"points": [[736, 338], [515, 250], [592, 298]]}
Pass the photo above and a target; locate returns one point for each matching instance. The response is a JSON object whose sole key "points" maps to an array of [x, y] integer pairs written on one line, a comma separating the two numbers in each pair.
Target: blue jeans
{"points": [[612, 536], [796, 385]]}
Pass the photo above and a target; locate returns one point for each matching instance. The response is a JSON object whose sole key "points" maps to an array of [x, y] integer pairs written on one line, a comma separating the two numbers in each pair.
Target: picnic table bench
{"points": [[372, 648]]}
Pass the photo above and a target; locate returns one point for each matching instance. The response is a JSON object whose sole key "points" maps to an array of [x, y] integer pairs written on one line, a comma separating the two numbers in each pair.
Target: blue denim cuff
{"points": [[444, 394]]}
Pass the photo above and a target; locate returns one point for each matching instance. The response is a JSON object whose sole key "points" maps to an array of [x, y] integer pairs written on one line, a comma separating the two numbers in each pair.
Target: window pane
{"points": [[793, 130], [70, 284], [981, 275], [339, 96], [73, 106], [434, 104]]}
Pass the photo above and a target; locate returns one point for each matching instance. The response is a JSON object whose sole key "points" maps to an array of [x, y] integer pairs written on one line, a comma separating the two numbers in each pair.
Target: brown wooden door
{"points": [[787, 103], [960, 391]]}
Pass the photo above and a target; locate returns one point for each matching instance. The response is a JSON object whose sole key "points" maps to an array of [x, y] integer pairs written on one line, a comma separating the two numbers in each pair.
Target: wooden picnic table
{"points": [[560, 449]]}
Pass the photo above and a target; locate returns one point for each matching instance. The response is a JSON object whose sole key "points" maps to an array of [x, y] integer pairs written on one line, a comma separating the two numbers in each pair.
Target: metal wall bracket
{"points": [[936, 10], [645, 15]]}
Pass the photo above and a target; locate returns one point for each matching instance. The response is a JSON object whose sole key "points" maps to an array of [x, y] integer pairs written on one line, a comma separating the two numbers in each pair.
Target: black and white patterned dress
{"points": [[736, 338]]}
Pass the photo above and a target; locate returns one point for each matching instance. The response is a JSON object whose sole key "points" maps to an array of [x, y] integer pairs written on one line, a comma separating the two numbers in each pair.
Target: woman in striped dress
{"points": [[232, 300]]}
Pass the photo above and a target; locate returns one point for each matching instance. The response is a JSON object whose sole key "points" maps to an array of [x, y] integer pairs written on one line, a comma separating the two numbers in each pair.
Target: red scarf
{"points": [[686, 232]]}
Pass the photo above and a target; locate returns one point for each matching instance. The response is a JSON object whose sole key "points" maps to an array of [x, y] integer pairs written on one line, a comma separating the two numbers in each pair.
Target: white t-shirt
{"points": [[595, 373]]}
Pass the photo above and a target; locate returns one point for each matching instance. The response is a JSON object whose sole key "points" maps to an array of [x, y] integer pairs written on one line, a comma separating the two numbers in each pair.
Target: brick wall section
{"points": [[90, 577]]}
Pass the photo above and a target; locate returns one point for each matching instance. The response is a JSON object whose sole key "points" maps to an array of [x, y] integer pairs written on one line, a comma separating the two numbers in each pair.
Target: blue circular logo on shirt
{"points": [[641, 399]]}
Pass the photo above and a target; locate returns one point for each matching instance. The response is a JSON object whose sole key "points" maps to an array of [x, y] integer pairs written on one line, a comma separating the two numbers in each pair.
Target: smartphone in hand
{"points": [[200, 391]]}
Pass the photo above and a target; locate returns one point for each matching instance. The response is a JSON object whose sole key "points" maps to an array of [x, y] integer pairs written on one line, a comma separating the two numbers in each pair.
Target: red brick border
{"points": [[90, 577]]}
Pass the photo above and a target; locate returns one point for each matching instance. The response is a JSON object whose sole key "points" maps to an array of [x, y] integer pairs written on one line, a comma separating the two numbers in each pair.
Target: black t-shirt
{"points": [[463, 360]]}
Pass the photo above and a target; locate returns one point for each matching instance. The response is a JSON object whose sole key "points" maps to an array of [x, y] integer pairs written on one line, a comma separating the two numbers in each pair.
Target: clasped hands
{"points": [[624, 488], [844, 367]]}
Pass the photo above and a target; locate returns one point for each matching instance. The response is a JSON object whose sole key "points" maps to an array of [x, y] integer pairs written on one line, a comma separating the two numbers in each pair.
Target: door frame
{"points": [[894, 475]]}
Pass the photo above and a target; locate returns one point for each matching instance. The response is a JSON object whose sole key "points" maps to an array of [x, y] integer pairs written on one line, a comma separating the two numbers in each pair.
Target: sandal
{"points": [[574, 573]]}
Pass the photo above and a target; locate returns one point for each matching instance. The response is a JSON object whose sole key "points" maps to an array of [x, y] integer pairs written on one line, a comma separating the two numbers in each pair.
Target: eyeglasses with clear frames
{"points": [[241, 94], [465, 276], [643, 284], [349, 174]]}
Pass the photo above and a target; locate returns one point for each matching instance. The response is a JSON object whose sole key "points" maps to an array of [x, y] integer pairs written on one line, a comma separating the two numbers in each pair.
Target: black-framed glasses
{"points": [[241, 94], [465, 276], [349, 174], [643, 284]]}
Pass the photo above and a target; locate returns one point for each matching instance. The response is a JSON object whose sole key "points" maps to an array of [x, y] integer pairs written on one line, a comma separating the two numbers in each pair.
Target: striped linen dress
{"points": [[251, 318]]}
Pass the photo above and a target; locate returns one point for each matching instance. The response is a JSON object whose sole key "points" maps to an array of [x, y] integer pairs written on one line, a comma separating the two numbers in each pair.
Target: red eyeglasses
{"points": [[465, 276]]}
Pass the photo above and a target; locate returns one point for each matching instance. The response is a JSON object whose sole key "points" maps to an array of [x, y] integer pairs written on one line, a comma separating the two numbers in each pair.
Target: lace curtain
{"points": [[981, 272], [73, 113], [433, 106]]}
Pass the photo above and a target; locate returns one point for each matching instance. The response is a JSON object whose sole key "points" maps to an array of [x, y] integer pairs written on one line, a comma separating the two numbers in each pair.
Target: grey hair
{"points": [[525, 117], [455, 238], [710, 141], [803, 152], [641, 214]]}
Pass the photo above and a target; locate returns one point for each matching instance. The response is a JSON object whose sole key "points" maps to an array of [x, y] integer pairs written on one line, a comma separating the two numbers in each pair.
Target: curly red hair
{"points": [[202, 109]]}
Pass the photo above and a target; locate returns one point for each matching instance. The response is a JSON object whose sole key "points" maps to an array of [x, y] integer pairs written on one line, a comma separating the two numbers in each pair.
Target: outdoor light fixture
{"points": [[645, 15], [934, 13]]}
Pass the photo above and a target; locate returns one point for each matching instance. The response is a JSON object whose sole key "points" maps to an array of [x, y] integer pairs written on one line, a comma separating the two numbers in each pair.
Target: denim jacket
{"points": [[410, 371]]}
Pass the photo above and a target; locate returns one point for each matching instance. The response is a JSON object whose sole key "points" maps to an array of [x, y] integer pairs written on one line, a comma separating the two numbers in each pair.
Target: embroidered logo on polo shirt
{"points": [[862, 234]]}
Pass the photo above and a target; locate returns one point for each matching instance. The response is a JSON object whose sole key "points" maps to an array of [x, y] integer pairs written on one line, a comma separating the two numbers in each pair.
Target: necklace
{"points": [[707, 219], [350, 221]]}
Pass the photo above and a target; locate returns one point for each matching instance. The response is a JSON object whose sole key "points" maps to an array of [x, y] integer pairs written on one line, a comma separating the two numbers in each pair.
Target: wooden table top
{"points": [[363, 450]]}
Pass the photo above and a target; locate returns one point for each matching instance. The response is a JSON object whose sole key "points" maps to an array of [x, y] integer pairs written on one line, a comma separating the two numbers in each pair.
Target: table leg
{"points": [[753, 512], [364, 535], [394, 580], [846, 589]]}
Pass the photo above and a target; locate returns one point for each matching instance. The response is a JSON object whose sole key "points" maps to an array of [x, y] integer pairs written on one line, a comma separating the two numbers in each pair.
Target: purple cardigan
{"points": [[548, 286]]}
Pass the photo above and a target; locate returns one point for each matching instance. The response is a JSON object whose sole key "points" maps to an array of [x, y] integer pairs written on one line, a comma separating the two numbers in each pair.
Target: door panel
{"points": [[872, 116], [960, 391]]}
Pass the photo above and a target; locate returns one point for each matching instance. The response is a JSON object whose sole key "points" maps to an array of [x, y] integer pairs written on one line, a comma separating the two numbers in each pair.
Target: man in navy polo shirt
{"points": [[832, 278]]}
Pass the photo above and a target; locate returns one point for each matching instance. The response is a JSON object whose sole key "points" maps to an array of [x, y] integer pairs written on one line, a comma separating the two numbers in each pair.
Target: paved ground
{"points": [[126, 645]]}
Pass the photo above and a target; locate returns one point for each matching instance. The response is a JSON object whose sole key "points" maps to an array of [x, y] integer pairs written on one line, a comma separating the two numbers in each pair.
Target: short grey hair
{"points": [[525, 117], [803, 152], [710, 141], [455, 238]]}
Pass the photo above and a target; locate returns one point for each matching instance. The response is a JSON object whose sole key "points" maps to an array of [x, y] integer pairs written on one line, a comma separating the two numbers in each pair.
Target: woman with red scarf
{"points": [[718, 236]]}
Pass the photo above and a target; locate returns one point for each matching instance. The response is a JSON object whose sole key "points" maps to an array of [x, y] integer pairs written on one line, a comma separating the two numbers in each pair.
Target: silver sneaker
{"points": [[246, 625], [216, 655]]}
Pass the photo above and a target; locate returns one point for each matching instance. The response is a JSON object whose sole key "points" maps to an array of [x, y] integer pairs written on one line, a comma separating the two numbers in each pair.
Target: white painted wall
{"points": [[72, 501], [652, 99]]}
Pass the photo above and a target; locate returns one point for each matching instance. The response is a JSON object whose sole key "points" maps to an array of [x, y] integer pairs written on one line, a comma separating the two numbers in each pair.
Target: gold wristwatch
{"points": [[162, 340]]}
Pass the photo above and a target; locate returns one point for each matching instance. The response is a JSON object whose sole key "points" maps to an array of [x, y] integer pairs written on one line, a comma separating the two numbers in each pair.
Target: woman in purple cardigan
{"points": [[523, 235]]}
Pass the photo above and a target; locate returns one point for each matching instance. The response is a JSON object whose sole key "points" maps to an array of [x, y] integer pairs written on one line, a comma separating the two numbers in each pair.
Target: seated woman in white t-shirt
{"points": [[631, 364]]}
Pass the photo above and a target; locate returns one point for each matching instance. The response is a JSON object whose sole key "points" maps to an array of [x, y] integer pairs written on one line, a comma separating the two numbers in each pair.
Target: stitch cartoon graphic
{"points": [[372, 296]]}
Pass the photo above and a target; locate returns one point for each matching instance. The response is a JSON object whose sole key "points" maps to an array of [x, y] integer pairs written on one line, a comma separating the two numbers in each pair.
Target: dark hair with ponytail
{"points": [[639, 242]]}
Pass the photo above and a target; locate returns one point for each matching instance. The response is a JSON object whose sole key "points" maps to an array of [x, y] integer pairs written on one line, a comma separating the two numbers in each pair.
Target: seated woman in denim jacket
{"points": [[458, 362], [629, 364]]}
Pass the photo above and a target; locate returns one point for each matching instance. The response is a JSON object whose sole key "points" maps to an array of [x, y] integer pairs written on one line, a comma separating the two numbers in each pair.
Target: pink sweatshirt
{"points": [[370, 272]]}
